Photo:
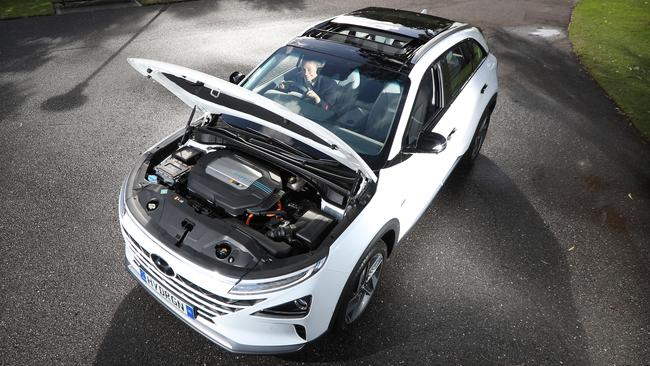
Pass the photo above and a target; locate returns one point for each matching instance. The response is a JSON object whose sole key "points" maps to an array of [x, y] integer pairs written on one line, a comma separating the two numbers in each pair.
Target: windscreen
{"points": [[357, 101]]}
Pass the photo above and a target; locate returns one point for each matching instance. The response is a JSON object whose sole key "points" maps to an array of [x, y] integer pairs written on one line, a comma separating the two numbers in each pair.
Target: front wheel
{"points": [[361, 286]]}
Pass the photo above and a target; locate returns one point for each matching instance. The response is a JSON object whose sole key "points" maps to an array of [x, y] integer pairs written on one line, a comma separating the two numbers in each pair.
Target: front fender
{"points": [[369, 226]]}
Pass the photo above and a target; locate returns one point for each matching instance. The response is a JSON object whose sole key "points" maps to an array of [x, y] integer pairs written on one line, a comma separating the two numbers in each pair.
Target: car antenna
{"points": [[186, 135]]}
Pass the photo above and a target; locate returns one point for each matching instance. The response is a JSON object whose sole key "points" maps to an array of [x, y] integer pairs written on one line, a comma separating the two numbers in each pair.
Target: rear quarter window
{"points": [[456, 69], [477, 53], [458, 64]]}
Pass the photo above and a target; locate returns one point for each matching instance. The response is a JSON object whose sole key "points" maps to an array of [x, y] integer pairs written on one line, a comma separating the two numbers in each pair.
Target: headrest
{"points": [[354, 79], [392, 88]]}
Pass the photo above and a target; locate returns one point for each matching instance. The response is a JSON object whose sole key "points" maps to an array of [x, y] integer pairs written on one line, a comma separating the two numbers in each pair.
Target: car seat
{"points": [[348, 92], [383, 112]]}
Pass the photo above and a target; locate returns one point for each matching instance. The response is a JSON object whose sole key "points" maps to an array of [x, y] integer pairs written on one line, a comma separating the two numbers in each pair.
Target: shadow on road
{"points": [[12, 95], [459, 302], [75, 97], [28, 44]]}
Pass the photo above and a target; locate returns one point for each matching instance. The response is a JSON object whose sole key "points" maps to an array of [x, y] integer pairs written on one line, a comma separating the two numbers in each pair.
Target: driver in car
{"points": [[320, 89]]}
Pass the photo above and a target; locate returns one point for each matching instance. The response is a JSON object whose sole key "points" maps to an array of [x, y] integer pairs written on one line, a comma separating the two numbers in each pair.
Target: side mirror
{"points": [[429, 142], [236, 77]]}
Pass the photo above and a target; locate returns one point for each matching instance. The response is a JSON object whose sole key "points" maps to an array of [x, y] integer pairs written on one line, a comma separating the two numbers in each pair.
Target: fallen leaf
{"points": [[630, 195], [572, 247]]}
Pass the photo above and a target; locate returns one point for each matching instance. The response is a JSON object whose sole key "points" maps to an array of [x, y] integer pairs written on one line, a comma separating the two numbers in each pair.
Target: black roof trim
{"points": [[403, 22], [412, 30], [350, 52]]}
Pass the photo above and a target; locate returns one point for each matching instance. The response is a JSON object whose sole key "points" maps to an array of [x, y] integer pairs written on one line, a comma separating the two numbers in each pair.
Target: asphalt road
{"points": [[539, 255]]}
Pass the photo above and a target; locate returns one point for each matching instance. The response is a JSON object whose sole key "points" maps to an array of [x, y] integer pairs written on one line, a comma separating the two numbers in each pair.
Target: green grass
{"points": [[24, 8], [612, 40]]}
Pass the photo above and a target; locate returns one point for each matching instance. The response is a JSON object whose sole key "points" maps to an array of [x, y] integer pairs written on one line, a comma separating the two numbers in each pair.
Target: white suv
{"points": [[266, 220]]}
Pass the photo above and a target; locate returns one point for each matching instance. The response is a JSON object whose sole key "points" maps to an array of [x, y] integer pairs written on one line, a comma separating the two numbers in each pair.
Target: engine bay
{"points": [[231, 206]]}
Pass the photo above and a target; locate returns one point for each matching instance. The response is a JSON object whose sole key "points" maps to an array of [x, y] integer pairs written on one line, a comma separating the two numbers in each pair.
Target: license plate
{"points": [[168, 296]]}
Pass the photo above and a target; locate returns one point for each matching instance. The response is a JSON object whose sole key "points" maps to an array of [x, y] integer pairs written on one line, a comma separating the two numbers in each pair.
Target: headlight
{"points": [[250, 287], [122, 200], [297, 308]]}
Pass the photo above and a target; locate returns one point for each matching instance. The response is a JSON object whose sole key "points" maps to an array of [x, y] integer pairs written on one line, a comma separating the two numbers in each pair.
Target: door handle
{"points": [[450, 134], [483, 89]]}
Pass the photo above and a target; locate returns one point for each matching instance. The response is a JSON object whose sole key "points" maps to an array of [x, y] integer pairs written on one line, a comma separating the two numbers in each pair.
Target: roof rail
{"points": [[439, 38]]}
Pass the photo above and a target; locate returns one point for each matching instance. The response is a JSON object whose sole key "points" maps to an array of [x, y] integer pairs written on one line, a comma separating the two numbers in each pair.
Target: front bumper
{"points": [[212, 335], [228, 320]]}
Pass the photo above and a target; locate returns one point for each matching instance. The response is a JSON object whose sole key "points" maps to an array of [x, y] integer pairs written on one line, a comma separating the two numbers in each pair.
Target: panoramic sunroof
{"points": [[366, 38]]}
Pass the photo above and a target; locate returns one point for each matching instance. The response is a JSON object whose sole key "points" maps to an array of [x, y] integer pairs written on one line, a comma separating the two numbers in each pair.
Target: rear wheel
{"points": [[361, 286], [477, 140]]}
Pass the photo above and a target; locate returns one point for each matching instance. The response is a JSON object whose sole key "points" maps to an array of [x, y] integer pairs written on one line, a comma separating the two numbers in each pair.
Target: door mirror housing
{"points": [[236, 77], [428, 142]]}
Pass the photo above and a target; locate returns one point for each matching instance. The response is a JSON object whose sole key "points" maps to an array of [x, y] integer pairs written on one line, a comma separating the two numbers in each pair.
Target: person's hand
{"points": [[312, 94], [282, 86]]}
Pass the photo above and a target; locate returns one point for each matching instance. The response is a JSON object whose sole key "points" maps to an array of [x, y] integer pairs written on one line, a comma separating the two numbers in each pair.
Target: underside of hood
{"points": [[214, 95]]}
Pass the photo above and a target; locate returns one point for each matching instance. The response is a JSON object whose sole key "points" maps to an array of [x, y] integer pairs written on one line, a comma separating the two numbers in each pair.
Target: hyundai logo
{"points": [[162, 265]]}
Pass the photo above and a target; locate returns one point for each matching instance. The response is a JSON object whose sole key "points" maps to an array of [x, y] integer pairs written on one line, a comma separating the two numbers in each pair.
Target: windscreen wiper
{"points": [[277, 142], [270, 140], [317, 164], [297, 154], [297, 158], [320, 162]]}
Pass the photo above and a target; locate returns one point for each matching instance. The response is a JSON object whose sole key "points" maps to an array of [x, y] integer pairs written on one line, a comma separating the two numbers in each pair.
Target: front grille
{"points": [[208, 304]]}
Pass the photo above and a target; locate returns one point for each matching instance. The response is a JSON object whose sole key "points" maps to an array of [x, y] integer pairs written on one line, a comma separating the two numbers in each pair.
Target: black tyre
{"points": [[361, 286], [477, 140]]}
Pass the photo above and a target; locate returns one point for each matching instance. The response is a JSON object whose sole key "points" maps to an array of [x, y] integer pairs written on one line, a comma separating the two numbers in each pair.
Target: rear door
{"points": [[465, 78]]}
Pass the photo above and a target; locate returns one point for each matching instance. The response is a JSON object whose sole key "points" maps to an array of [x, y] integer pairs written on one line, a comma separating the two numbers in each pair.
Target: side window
{"points": [[287, 64], [477, 53], [456, 69], [278, 65], [424, 107]]}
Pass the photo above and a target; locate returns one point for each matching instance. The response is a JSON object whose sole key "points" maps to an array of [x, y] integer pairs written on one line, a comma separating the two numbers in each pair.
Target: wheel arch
{"points": [[492, 103], [390, 230], [388, 234]]}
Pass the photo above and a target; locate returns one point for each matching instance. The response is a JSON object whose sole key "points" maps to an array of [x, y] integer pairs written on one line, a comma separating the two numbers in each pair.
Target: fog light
{"points": [[301, 304], [300, 331]]}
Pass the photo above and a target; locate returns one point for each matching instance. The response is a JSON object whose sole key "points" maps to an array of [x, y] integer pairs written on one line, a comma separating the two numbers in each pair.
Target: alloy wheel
{"points": [[368, 282]]}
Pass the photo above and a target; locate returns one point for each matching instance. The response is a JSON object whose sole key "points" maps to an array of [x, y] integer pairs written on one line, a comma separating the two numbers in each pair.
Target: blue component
{"points": [[190, 311], [263, 187], [143, 275], [152, 178]]}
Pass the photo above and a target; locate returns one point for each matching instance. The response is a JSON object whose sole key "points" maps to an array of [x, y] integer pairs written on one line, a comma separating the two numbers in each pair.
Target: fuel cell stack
{"points": [[235, 183]]}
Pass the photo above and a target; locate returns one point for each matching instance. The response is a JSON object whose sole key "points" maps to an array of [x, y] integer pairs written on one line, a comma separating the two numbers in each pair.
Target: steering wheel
{"points": [[292, 86]]}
